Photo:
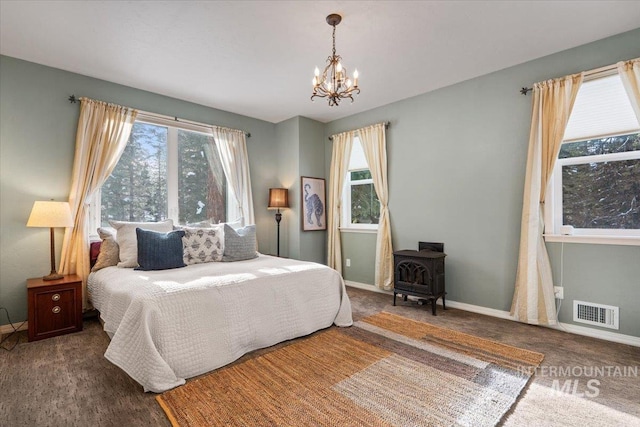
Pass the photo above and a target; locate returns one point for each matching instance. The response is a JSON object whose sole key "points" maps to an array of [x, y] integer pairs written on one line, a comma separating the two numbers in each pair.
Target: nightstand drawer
{"points": [[55, 310], [55, 307]]}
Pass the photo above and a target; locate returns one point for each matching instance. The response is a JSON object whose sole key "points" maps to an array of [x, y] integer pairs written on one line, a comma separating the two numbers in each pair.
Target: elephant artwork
{"points": [[313, 204]]}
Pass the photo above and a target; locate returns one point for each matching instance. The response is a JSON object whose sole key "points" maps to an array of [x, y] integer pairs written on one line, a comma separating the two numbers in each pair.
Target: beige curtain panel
{"points": [[342, 144], [232, 148], [630, 75], [533, 300], [103, 132], [374, 145]]}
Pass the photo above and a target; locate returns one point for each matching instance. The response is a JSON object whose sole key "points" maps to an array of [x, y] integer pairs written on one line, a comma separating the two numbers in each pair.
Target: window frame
{"points": [[232, 209], [345, 215], [346, 202], [553, 208]]}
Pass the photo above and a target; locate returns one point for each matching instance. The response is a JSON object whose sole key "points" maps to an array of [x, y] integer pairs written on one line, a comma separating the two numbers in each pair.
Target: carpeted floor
{"points": [[65, 381]]}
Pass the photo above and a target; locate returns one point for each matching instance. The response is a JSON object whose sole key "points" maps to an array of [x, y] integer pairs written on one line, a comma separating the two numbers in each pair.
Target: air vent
{"points": [[606, 316]]}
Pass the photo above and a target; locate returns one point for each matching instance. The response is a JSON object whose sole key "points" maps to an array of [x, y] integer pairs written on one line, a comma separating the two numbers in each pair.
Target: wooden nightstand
{"points": [[55, 306]]}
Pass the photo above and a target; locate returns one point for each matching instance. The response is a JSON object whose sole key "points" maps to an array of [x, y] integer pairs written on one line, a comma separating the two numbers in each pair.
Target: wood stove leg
{"points": [[394, 298]]}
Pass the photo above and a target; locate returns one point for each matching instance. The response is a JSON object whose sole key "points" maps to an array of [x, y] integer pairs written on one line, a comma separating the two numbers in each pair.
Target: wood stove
{"points": [[420, 273]]}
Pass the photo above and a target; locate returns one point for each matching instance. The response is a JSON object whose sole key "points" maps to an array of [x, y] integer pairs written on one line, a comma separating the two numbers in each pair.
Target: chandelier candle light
{"points": [[334, 83]]}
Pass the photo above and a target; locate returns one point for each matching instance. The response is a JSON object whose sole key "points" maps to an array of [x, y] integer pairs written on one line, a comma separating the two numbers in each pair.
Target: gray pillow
{"points": [[109, 249], [239, 244]]}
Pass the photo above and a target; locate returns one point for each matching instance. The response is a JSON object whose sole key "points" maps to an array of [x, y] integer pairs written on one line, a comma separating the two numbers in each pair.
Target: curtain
{"points": [[232, 148], [340, 155], [630, 75], [533, 300], [374, 144], [102, 135]]}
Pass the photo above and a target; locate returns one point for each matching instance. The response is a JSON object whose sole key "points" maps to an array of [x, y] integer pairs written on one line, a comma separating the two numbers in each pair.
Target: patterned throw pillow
{"points": [[159, 251], [203, 244], [239, 244], [109, 249]]}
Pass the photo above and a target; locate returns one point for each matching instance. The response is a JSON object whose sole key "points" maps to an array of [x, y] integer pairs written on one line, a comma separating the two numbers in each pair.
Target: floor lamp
{"points": [[278, 199], [51, 214]]}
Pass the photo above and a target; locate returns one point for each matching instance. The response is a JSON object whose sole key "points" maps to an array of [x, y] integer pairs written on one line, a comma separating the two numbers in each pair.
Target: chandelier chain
{"points": [[334, 40]]}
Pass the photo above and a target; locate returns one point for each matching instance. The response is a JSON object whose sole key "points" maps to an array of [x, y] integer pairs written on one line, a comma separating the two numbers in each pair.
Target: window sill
{"points": [[358, 230], [593, 240]]}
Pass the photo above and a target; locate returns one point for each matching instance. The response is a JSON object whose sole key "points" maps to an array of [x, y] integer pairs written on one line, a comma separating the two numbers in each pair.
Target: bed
{"points": [[169, 325]]}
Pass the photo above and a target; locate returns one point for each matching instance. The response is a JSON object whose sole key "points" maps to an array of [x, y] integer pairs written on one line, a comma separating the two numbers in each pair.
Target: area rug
{"points": [[386, 370]]}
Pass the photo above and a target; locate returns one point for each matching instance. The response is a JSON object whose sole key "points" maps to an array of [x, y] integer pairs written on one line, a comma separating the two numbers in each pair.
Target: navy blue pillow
{"points": [[159, 251]]}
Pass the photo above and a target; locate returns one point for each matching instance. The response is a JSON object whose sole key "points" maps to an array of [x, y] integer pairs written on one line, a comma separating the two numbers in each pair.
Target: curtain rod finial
{"points": [[525, 90], [72, 99]]}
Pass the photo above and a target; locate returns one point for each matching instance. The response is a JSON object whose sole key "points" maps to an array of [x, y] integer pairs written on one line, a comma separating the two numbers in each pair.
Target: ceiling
{"points": [[257, 58]]}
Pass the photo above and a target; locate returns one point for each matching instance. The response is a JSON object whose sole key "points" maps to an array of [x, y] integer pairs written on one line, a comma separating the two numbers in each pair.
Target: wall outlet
{"points": [[558, 291], [348, 262]]}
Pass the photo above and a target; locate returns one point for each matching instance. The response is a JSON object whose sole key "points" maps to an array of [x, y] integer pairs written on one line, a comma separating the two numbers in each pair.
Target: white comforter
{"points": [[174, 324]]}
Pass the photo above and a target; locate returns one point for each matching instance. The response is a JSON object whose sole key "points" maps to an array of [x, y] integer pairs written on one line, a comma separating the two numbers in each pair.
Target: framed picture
{"points": [[314, 212]]}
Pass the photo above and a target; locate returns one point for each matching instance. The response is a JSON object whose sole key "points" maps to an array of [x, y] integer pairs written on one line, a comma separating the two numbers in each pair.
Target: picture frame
{"points": [[313, 203]]}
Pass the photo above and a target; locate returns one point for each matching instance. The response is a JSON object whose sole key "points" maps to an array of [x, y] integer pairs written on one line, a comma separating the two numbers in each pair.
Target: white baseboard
{"points": [[597, 333], [366, 287], [566, 327], [8, 328]]}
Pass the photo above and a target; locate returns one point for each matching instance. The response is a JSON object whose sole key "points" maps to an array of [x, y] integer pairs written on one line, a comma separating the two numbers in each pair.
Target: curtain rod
{"points": [[386, 126], [596, 72], [73, 99]]}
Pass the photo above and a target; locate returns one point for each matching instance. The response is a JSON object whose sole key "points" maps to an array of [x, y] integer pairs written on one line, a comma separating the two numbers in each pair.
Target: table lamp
{"points": [[278, 199], [51, 214]]}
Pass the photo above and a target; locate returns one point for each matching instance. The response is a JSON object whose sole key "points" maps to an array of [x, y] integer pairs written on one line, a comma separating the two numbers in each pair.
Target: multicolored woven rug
{"points": [[386, 370]]}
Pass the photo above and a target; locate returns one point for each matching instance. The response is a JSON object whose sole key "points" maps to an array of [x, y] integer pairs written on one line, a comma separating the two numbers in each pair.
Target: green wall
{"points": [[37, 140], [456, 170], [300, 149], [313, 244]]}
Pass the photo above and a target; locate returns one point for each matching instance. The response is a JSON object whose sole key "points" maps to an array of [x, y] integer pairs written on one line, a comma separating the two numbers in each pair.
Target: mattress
{"points": [[169, 325]]}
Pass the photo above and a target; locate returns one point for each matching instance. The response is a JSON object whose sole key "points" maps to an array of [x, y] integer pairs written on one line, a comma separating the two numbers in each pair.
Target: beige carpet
{"points": [[386, 370]]}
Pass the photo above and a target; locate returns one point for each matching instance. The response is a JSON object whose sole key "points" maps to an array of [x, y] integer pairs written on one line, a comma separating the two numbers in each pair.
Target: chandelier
{"points": [[334, 83]]}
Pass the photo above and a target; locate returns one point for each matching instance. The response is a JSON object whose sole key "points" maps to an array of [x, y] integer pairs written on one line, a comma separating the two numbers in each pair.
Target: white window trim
{"points": [[553, 207], [233, 211], [346, 224]]}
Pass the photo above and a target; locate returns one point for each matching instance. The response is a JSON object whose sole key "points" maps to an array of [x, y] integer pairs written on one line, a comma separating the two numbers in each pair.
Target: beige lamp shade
{"points": [[278, 198], [50, 215]]}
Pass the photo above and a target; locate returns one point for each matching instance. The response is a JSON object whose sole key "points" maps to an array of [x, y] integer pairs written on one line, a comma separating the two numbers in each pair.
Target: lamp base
{"points": [[52, 276]]}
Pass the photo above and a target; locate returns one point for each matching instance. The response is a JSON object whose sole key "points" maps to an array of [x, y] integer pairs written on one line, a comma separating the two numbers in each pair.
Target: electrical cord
{"points": [[561, 276], [15, 331]]}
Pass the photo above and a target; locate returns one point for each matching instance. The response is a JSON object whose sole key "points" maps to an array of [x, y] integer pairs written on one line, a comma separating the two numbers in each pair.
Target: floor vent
{"points": [[606, 316]]}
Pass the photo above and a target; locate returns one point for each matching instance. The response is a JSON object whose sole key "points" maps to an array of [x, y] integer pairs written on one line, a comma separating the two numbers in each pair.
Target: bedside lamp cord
{"points": [[15, 330]]}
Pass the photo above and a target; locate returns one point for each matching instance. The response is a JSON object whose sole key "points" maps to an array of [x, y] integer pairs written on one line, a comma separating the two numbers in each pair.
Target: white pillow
{"points": [[203, 244], [128, 241]]}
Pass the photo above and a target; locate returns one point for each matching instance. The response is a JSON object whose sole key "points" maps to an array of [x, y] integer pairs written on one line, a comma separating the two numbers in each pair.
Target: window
{"points": [[165, 172], [361, 207], [595, 187]]}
